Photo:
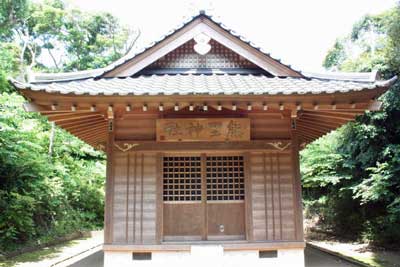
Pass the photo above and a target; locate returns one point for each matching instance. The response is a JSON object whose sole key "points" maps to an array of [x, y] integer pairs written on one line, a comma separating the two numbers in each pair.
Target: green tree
{"points": [[12, 13], [88, 36], [73, 39], [43, 196], [367, 151]]}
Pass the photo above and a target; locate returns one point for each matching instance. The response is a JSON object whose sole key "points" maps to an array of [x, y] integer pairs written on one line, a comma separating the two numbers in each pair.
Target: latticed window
{"points": [[225, 178], [182, 178]]}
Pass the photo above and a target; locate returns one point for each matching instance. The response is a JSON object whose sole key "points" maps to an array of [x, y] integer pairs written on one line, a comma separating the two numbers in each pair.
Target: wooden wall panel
{"points": [[143, 127], [134, 203], [269, 127], [137, 127], [272, 196]]}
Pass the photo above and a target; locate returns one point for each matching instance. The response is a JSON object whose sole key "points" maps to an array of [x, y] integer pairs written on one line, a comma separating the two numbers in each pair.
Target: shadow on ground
{"points": [[317, 258], [37, 256], [94, 260]]}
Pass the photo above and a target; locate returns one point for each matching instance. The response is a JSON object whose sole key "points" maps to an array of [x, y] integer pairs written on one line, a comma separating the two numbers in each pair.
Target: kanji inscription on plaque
{"points": [[221, 129]]}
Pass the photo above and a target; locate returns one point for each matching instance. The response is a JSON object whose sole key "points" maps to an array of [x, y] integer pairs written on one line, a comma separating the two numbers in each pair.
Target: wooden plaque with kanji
{"points": [[221, 129]]}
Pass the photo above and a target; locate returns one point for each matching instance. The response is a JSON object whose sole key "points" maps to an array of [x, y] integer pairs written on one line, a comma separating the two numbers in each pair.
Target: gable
{"points": [[185, 58], [200, 25]]}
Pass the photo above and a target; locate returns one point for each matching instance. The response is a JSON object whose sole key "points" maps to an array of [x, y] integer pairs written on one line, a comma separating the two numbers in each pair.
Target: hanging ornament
{"points": [[202, 46]]}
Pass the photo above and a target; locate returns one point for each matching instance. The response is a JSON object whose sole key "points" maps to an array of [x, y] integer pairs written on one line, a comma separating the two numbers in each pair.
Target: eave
{"points": [[315, 115]]}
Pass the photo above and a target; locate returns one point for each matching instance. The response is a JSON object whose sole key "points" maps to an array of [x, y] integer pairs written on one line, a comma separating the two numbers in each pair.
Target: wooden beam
{"points": [[77, 117], [319, 123], [97, 139], [255, 145], [94, 140], [95, 143], [313, 126], [310, 119], [89, 130], [305, 139], [309, 135], [314, 129], [69, 115], [80, 122], [50, 112], [337, 117], [91, 134], [84, 126], [336, 112]]}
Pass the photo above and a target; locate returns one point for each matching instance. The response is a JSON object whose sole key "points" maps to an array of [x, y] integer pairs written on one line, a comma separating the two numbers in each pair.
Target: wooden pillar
{"points": [[204, 196], [108, 209], [248, 198], [159, 199], [297, 198]]}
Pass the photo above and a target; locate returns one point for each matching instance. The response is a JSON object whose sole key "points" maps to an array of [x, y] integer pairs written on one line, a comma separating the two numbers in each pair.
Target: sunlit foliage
{"points": [[45, 195], [355, 172]]}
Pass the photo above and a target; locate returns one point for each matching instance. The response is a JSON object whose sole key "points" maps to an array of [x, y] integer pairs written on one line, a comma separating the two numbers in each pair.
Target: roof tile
{"points": [[192, 84]]}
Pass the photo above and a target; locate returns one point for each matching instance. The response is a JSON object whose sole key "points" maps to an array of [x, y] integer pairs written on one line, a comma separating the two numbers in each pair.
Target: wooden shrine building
{"points": [[202, 131]]}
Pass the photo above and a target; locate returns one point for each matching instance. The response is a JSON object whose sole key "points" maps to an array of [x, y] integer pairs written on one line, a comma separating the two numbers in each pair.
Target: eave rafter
{"points": [[88, 125], [88, 119]]}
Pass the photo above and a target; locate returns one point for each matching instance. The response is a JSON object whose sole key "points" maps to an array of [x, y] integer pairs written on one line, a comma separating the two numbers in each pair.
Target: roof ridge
{"points": [[345, 76], [199, 14], [98, 73]]}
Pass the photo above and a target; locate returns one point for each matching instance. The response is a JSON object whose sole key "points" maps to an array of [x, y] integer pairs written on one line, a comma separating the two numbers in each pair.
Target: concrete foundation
{"points": [[207, 256]]}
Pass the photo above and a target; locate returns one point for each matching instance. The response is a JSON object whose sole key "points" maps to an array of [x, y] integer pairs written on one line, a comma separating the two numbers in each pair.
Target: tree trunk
{"points": [[51, 141]]}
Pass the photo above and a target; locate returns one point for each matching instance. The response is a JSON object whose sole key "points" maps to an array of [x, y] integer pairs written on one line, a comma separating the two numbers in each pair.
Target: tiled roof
{"points": [[193, 84], [65, 76]]}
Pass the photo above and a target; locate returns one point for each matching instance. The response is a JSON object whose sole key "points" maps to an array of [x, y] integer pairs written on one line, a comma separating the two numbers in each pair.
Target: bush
{"points": [[43, 197]]}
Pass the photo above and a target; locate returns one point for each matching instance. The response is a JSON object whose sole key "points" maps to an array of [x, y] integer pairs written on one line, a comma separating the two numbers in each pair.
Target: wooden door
{"points": [[203, 197], [225, 197]]}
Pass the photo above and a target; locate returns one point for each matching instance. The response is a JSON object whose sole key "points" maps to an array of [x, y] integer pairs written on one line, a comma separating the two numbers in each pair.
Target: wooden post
{"points": [[159, 200], [204, 196], [297, 198], [248, 198], [108, 209]]}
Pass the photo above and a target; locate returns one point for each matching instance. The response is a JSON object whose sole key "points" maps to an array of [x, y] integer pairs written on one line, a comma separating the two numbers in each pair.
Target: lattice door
{"points": [[203, 197]]}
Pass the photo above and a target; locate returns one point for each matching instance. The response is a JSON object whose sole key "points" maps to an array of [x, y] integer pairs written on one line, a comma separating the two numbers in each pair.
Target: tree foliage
{"points": [[11, 14], [45, 195], [54, 37], [365, 155]]}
